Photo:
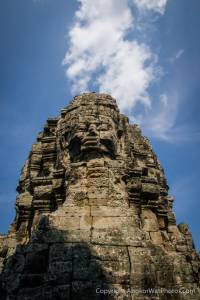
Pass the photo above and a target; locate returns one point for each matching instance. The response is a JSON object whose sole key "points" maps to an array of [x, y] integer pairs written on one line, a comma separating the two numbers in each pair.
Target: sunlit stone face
{"points": [[94, 134]]}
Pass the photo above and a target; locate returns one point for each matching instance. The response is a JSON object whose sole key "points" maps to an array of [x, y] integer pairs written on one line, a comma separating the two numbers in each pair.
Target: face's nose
{"points": [[92, 130]]}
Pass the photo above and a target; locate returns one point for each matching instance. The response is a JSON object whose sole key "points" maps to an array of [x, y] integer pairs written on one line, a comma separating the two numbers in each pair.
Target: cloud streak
{"points": [[160, 120], [154, 5], [177, 55]]}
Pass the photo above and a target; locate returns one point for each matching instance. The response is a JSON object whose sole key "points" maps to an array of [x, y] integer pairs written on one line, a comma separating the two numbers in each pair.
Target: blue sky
{"points": [[145, 53]]}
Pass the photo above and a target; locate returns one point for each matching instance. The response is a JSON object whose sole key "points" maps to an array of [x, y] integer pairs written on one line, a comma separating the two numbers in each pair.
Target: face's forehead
{"points": [[95, 114]]}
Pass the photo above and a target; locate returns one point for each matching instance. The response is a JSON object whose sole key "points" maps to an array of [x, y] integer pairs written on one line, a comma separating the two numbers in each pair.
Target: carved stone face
{"points": [[93, 134]]}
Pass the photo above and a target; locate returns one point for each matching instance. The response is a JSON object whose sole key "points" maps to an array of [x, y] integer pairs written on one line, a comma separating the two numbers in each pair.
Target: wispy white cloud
{"points": [[154, 5], [100, 52], [160, 120], [177, 55], [132, 68]]}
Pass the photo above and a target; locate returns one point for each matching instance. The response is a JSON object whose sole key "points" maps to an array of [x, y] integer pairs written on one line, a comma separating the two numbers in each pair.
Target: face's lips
{"points": [[90, 141], [90, 144]]}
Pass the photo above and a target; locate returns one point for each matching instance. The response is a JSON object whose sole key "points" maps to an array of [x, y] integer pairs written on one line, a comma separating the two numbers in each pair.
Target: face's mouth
{"points": [[102, 146], [93, 145], [90, 141]]}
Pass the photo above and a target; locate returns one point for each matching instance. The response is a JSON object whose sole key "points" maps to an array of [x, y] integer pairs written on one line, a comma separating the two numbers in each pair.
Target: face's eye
{"points": [[102, 127]]}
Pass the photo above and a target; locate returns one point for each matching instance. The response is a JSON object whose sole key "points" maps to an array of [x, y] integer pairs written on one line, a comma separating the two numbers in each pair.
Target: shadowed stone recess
{"points": [[94, 219]]}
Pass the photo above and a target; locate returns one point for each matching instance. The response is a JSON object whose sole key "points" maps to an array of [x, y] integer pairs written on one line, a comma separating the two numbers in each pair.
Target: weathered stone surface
{"points": [[93, 216]]}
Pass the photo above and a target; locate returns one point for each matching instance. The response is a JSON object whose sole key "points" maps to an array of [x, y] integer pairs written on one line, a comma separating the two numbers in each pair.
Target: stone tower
{"points": [[93, 216]]}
